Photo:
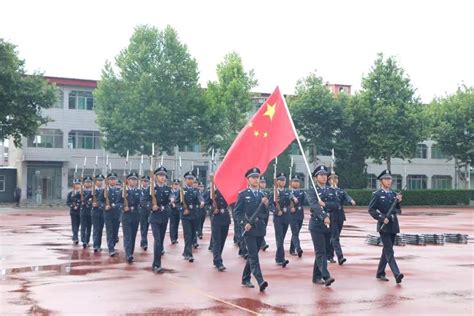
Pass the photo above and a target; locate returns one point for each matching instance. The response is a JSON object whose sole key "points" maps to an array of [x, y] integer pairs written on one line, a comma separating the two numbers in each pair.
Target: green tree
{"points": [[351, 146], [22, 96], [394, 116], [229, 102], [452, 126], [152, 94], [317, 116]]}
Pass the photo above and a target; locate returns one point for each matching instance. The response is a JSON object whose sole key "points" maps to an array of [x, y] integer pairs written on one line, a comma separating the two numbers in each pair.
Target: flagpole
{"points": [[300, 146]]}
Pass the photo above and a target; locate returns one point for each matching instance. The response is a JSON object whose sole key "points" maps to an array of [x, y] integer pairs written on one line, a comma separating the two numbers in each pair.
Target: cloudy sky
{"points": [[281, 40]]}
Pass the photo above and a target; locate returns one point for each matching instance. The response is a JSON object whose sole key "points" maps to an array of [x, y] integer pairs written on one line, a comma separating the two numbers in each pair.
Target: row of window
{"points": [[77, 100], [415, 182], [421, 151], [53, 138], [436, 153]]}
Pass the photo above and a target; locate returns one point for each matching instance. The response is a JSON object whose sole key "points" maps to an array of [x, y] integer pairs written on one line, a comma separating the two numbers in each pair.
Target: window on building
{"points": [[397, 182], [84, 140], [421, 151], [343, 89], [436, 152], [2, 183], [441, 182], [46, 138], [371, 181], [416, 182], [59, 104], [81, 100], [194, 148]]}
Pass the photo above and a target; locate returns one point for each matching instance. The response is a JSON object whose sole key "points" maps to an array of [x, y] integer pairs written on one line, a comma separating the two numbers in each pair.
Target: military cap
{"points": [[133, 175], [189, 174], [321, 169], [386, 174], [145, 178], [99, 177], [254, 172], [262, 179], [87, 179], [175, 181], [295, 178], [281, 176], [76, 181], [112, 175], [161, 171]]}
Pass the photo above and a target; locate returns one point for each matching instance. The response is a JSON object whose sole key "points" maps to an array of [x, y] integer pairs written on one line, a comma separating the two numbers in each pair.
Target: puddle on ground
{"points": [[258, 306], [427, 214], [61, 269]]}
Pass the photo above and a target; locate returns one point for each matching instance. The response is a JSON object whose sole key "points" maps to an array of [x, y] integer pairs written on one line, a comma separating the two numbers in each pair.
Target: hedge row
{"points": [[420, 197]]}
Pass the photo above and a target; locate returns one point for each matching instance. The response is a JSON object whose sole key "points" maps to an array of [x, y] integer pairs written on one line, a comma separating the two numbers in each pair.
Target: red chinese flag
{"points": [[263, 138]]}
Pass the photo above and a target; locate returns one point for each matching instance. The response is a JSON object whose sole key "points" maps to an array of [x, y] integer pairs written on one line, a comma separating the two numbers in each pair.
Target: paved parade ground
{"points": [[43, 273]]}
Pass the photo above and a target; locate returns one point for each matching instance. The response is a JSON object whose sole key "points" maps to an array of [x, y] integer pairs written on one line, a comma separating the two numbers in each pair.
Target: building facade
{"points": [[47, 163]]}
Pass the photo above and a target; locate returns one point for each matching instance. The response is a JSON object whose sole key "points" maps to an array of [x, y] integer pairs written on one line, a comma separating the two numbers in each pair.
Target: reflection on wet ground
{"points": [[43, 273]]}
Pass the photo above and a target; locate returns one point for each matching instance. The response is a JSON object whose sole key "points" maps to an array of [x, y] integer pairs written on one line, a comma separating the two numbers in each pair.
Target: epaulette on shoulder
{"points": [[244, 190]]}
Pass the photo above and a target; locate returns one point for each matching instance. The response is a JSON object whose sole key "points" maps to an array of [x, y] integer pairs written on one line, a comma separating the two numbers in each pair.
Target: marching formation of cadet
{"points": [[321, 200], [95, 201], [113, 210], [144, 211], [266, 192], [73, 201], [98, 207], [220, 222], [159, 215], [337, 217], [201, 218], [191, 201], [86, 212], [130, 216], [298, 197], [280, 207], [251, 209], [384, 207], [174, 213]]}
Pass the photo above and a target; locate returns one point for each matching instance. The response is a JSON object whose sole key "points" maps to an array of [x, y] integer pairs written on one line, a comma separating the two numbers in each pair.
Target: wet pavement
{"points": [[43, 273]]}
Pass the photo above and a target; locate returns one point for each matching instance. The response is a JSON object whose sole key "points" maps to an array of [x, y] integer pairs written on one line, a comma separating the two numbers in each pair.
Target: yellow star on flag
{"points": [[250, 124], [256, 133], [265, 134], [270, 111]]}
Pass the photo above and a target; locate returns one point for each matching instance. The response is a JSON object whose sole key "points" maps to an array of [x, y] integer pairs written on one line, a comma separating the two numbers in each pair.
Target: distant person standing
{"points": [[17, 196]]}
